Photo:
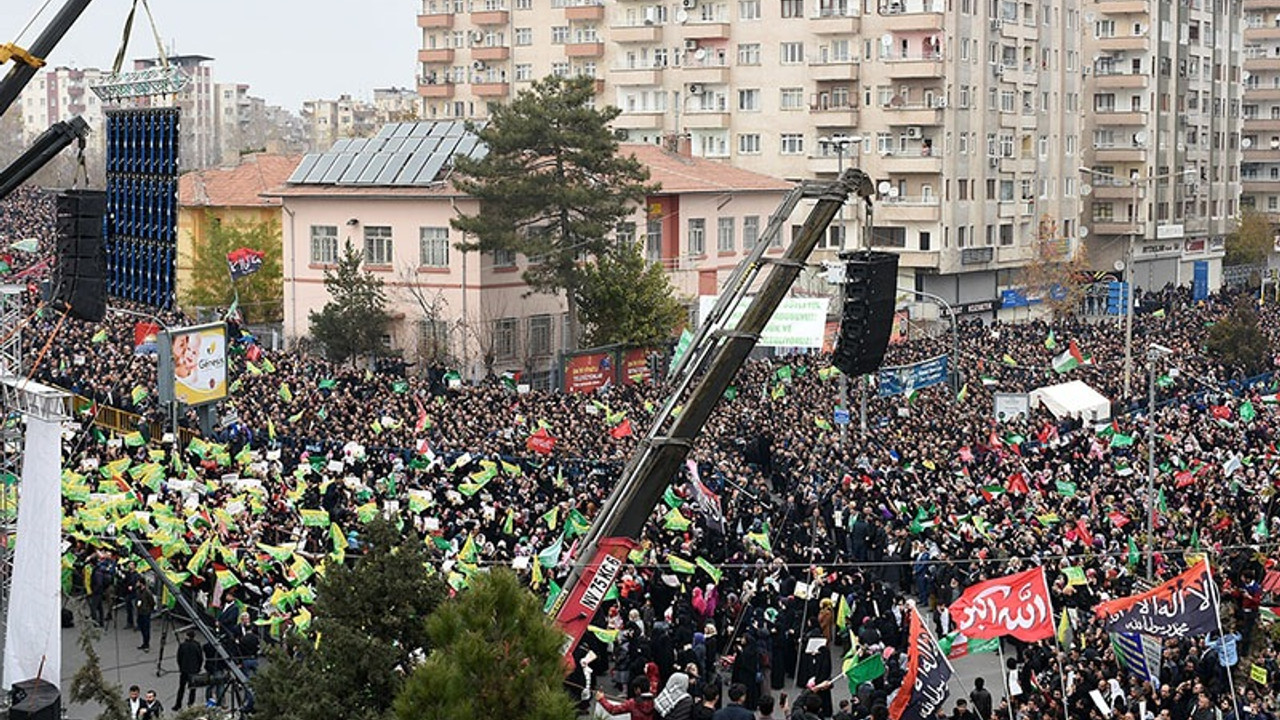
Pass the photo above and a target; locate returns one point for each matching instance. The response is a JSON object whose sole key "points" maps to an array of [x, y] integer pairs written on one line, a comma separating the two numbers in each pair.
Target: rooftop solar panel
{"points": [[400, 154], [300, 173]]}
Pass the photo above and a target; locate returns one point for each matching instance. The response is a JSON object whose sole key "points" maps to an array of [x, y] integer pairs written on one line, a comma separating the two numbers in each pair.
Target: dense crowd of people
{"points": [[820, 544]]}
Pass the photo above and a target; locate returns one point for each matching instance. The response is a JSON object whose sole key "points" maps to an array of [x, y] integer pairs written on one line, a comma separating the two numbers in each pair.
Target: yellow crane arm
{"points": [[9, 51]]}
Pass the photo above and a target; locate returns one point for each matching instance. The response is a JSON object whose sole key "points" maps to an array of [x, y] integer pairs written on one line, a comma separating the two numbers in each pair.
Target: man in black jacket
{"points": [[981, 698], [190, 661]]}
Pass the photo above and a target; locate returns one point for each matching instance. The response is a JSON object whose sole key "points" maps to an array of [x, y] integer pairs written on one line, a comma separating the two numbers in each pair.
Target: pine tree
{"points": [[369, 626], [353, 321], [495, 655], [626, 299], [261, 294], [551, 186]]}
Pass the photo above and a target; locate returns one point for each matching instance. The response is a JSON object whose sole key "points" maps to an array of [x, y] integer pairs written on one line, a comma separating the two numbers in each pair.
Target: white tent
{"points": [[1074, 399]]}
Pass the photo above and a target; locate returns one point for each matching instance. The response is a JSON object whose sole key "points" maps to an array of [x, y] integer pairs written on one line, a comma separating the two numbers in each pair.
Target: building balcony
{"points": [[1120, 154], [829, 163], [1106, 119], [1253, 64], [909, 22], [1261, 4], [628, 34], [1255, 185], [436, 21], [436, 56], [491, 17], [1262, 33], [705, 120], [911, 164], [1123, 7], [1111, 226], [1260, 125], [914, 67], [835, 24], [833, 117], [631, 77], [435, 90], [909, 209], [1103, 81], [896, 115], [833, 71], [704, 74], [639, 120], [1262, 155], [705, 31], [1121, 43], [584, 50], [921, 259], [1261, 93], [584, 13], [491, 89], [1107, 190], [490, 52], [1014, 254]]}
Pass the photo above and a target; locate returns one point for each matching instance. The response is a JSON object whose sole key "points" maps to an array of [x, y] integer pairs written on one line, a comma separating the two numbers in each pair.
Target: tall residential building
{"points": [[1260, 171], [1164, 134], [328, 121], [199, 125], [243, 125], [968, 111], [61, 93]]}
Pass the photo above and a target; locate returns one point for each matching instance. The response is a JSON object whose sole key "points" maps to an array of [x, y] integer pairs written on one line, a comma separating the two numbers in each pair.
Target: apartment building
{"points": [[1163, 145], [198, 103], [967, 112], [1260, 168], [61, 93]]}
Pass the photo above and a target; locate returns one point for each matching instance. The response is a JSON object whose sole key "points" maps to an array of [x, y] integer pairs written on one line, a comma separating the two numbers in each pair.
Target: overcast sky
{"points": [[286, 50]]}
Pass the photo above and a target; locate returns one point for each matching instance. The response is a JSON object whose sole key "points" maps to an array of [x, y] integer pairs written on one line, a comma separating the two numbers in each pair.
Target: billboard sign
{"points": [[193, 364], [588, 372], [635, 366], [906, 378], [798, 322]]}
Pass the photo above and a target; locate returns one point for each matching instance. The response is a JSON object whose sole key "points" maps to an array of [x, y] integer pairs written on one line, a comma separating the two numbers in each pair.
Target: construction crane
{"points": [[709, 365]]}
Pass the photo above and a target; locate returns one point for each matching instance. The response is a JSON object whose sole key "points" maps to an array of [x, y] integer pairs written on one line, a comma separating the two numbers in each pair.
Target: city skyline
{"points": [[247, 45]]}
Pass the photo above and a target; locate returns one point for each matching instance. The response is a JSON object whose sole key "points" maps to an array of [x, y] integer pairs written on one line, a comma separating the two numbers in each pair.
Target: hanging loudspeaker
{"points": [[867, 317]]}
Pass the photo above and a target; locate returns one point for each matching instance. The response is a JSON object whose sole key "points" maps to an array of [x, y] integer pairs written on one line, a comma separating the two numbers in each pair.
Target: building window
{"points": [[792, 8], [749, 144], [377, 245], [697, 236], [324, 244], [749, 54], [653, 240], [749, 99], [560, 34], [504, 258], [504, 339], [748, 9], [433, 246], [792, 99], [625, 233], [791, 53], [540, 335], [750, 231], [524, 4], [524, 36], [724, 235], [792, 144], [433, 338], [524, 71], [560, 69]]}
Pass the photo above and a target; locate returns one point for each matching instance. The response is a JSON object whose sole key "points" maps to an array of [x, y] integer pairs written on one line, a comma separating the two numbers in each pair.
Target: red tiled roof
{"points": [[240, 186], [681, 174]]}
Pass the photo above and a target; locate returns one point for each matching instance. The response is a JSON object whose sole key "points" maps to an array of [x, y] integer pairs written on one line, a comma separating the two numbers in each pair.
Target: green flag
{"points": [[1134, 557], [680, 565], [709, 569], [99, 337], [1261, 530], [576, 523], [673, 520], [550, 557], [285, 393], [671, 499], [1066, 489], [1120, 440], [862, 671], [1247, 413]]}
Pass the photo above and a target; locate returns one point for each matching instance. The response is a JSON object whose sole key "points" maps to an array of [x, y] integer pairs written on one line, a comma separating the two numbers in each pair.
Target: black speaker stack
{"points": [[81, 273], [866, 320], [35, 700]]}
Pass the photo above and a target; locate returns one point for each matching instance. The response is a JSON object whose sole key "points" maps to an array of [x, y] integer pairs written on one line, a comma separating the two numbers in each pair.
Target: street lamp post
{"points": [[840, 144], [1139, 228], [1154, 352], [954, 372]]}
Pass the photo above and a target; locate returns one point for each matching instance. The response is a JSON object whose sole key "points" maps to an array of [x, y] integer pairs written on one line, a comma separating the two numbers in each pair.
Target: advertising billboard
{"points": [[193, 364], [905, 378], [635, 366], [588, 372], [798, 322]]}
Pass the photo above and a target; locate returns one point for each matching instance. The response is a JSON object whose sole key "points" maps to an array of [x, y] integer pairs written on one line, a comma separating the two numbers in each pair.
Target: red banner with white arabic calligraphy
{"points": [[924, 688], [1016, 605]]}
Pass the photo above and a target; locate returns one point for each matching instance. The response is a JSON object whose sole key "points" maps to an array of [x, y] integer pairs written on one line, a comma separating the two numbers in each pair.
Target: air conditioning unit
{"points": [[477, 65], [996, 24], [688, 4], [622, 134], [695, 89], [940, 102], [993, 162], [1086, 70], [997, 70], [914, 132], [477, 37], [690, 45]]}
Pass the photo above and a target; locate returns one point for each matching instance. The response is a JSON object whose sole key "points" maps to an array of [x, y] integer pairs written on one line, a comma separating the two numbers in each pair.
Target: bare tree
{"points": [[1057, 269], [432, 348]]}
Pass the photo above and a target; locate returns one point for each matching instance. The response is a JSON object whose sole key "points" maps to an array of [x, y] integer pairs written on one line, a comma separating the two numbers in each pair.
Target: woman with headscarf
{"points": [[674, 702]]}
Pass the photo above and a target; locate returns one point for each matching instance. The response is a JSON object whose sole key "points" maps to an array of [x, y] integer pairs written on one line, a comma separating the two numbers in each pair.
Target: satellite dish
{"points": [[700, 55], [1140, 137], [883, 187], [1088, 17], [1246, 74], [1083, 232], [886, 39], [893, 192], [1246, 143], [682, 16], [1118, 265], [1086, 190]]}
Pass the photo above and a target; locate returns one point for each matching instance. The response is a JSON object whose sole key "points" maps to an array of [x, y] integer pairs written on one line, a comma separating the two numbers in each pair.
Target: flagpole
{"points": [[1004, 678], [1057, 647], [963, 687], [1217, 615]]}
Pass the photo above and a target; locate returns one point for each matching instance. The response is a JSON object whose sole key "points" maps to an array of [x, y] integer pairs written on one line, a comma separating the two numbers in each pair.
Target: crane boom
{"points": [[30, 60], [722, 351]]}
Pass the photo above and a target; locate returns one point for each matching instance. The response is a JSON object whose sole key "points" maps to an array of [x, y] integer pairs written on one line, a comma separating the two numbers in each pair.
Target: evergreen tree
{"points": [[1251, 241], [1236, 339], [626, 299], [551, 186], [262, 293], [495, 655], [353, 322], [369, 626]]}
